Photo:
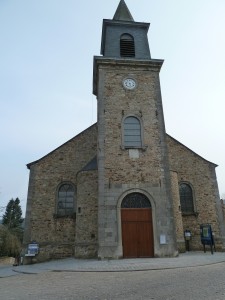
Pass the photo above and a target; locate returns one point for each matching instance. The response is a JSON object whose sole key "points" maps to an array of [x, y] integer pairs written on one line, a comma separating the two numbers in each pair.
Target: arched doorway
{"points": [[137, 231]]}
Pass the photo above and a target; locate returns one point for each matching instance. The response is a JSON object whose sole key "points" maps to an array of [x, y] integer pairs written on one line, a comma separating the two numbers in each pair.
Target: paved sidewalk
{"points": [[188, 259]]}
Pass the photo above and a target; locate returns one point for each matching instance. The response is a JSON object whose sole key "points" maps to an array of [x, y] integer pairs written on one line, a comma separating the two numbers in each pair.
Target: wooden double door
{"points": [[137, 232]]}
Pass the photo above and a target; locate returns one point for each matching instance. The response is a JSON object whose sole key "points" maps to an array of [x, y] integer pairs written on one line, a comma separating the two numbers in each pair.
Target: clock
{"points": [[129, 83]]}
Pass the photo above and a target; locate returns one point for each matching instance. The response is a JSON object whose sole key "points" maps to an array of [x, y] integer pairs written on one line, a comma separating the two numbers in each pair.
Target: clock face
{"points": [[129, 83]]}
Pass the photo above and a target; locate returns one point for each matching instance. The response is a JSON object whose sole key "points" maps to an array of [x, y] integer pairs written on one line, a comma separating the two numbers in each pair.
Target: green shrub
{"points": [[10, 243]]}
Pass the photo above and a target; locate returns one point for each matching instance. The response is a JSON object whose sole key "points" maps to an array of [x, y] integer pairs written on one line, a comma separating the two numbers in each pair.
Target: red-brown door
{"points": [[137, 233]]}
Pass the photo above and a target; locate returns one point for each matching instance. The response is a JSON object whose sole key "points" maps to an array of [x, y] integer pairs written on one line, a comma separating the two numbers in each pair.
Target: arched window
{"points": [[186, 198], [135, 200], [127, 48], [132, 132], [66, 199]]}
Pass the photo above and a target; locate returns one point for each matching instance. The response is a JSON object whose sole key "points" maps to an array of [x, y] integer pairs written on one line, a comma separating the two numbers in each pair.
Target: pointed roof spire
{"points": [[122, 13]]}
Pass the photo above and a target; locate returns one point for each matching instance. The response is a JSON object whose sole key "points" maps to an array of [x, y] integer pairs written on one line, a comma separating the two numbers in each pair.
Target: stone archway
{"points": [[137, 229]]}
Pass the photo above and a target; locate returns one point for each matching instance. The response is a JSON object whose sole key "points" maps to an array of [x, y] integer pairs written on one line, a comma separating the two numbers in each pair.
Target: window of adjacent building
{"points": [[127, 48], [186, 198], [132, 132], [66, 199]]}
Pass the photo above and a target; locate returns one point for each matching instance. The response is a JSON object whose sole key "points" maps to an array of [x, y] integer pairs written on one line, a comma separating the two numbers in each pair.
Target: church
{"points": [[122, 188]]}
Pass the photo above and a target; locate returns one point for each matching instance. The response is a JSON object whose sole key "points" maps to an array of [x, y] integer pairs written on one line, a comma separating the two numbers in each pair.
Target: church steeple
{"points": [[124, 38], [131, 132], [122, 13]]}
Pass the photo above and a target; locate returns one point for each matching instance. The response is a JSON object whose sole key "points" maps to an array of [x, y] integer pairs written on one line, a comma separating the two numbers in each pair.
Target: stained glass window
{"points": [[186, 198], [135, 200], [66, 199]]}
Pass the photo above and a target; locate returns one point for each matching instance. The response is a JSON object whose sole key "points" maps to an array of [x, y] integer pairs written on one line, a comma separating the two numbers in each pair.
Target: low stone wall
{"points": [[7, 260]]}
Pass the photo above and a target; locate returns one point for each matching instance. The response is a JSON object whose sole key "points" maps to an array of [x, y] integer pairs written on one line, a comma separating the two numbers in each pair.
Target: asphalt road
{"points": [[195, 283]]}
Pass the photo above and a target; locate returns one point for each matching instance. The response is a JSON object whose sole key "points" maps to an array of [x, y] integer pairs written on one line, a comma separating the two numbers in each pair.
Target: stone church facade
{"points": [[123, 187]]}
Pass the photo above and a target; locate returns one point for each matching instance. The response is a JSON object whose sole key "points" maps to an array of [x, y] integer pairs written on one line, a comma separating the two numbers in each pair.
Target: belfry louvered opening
{"points": [[127, 48]]}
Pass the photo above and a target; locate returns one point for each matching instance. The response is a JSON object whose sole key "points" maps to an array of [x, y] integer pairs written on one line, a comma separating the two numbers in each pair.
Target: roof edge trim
{"points": [[192, 151], [38, 160]]}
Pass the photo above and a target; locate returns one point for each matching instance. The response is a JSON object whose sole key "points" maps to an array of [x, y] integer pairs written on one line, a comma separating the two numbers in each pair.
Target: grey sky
{"points": [[46, 59]]}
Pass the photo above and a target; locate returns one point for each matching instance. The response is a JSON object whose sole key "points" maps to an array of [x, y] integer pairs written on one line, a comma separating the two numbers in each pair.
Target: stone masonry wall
{"points": [[223, 208], [56, 235], [86, 244], [177, 212], [142, 102], [200, 174]]}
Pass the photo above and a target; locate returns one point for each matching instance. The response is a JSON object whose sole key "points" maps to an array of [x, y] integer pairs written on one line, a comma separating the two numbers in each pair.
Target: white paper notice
{"points": [[162, 239]]}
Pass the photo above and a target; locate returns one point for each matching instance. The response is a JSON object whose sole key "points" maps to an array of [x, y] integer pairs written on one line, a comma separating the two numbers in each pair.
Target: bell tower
{"points": [[132, 151]]}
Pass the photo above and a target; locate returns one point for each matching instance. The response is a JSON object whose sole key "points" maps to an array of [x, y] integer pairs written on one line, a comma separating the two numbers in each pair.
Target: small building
{"points": [[123, 187]]}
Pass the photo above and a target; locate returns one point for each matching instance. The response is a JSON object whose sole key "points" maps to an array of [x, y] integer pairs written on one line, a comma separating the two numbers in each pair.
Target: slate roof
{"points": [[122, 13], [91, 165]]}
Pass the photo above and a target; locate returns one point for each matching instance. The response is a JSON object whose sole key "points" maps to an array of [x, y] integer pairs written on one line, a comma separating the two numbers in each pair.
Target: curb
{"points": [[126, 267]]}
